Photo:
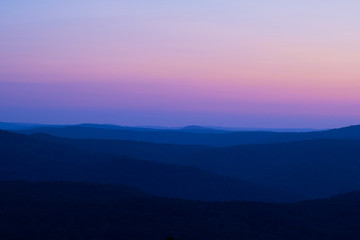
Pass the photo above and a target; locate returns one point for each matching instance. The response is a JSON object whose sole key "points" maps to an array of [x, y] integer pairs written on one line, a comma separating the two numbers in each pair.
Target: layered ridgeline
{"points": [[305, 169], [192, 136], [51, 159], [82, 211]]}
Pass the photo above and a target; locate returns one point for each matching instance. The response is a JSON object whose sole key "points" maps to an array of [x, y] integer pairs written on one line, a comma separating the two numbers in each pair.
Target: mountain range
{"points": [[305, 169], [93, 181], [202, 136], [287, 171], [32, 158]]}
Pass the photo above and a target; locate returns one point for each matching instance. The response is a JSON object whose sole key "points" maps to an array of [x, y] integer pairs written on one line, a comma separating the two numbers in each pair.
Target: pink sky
{"points": [[236, 63]]}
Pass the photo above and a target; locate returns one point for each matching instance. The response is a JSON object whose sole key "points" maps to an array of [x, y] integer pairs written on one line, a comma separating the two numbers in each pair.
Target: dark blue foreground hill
{"points": [[85, 211]]}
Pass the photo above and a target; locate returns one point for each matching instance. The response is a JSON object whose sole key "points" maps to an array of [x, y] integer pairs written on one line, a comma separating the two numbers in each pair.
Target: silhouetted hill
{"points": [[351, 132], [113, 127], [85, 211], [26, 126], [190, 128], [217, 138], [20, 126], [199, 129], [314, 169], [28, 158], [308, 169]]}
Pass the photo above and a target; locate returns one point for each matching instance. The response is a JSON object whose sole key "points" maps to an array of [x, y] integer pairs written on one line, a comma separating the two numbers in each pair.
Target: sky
{"points": [[235, 63]]}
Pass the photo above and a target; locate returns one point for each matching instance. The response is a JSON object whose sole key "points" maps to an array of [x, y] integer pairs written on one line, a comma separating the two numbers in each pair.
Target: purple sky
{"points": [[237, 63]]}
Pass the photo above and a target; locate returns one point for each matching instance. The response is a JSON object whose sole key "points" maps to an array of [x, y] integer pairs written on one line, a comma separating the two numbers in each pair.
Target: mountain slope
{"points": [[27, 158], [315, 169], [92, 211], [309, 169]]}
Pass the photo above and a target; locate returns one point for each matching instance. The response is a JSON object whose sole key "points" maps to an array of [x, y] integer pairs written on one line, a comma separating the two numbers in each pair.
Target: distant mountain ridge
{"points": [[201, 136], [199, 129]]}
